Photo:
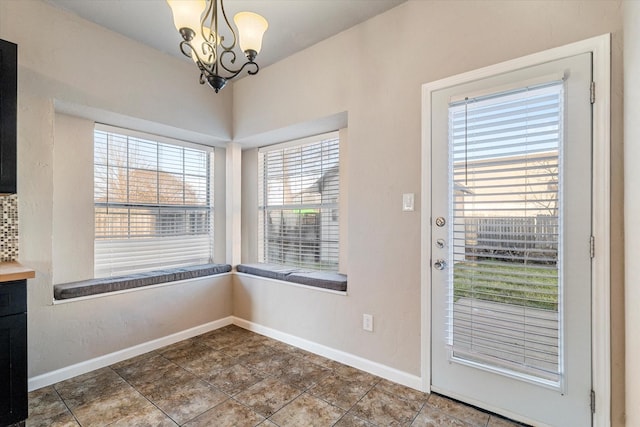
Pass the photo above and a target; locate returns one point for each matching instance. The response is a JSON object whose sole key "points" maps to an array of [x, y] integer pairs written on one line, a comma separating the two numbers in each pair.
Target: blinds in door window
{"points": [[505, 153], [153, 204], [299, 187]]}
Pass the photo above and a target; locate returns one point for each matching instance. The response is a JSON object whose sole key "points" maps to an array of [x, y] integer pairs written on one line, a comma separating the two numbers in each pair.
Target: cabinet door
{"points": [[13, 368], [8, 114]]}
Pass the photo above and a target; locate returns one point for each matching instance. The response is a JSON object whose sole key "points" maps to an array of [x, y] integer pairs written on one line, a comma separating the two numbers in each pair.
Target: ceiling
{"points": [[293, 24]]}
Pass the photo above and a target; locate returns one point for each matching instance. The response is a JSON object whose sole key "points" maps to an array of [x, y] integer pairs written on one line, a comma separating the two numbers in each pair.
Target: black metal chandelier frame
{"points": [[215, 60]]}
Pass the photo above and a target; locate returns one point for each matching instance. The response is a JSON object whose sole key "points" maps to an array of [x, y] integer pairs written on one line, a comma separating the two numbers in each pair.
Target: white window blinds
{"points": [[505, 174], [299, 187], [153, 204]]}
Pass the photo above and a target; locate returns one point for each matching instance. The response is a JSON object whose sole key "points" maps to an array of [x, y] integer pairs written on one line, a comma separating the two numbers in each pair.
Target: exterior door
{"points": [[511, 254]]}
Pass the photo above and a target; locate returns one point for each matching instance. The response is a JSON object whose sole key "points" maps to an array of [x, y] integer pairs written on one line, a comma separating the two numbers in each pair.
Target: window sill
{"points": [[317, 279], [105, 285]]}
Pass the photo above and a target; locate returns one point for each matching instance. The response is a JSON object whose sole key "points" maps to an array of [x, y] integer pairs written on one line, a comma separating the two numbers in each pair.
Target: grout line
{"points": [[140, 393], [66, 406]]}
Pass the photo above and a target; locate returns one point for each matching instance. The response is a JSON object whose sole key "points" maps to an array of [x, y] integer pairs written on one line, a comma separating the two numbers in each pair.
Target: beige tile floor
{"points": [[233, 377]]}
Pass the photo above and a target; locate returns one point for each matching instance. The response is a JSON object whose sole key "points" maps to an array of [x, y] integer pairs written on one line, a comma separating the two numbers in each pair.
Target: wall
{"points": [[68, 65], [359, 71], [632, 206]]}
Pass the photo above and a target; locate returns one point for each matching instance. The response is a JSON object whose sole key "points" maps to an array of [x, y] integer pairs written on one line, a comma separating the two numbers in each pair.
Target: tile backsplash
{"points": [[9, 228]]}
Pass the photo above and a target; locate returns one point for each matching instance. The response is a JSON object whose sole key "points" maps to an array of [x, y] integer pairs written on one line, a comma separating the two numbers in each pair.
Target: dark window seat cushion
{"points": [[85, 288], [272, 271], [318, 279]]}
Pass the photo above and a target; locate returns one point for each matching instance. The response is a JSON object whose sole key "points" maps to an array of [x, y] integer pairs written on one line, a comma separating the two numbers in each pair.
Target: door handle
{"points": [[440, 264]]}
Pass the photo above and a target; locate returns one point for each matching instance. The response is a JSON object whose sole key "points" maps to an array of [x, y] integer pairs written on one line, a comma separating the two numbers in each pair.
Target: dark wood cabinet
{"points": [[13, 352], [8, 115]]}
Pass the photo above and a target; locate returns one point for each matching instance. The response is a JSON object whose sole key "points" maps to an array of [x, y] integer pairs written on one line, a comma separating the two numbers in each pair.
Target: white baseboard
{"points": [[366, 365], [65, 373], [358, 362]]}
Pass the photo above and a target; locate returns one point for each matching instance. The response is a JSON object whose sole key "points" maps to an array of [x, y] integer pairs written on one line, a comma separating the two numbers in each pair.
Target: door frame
{"points": [[600, 48]]}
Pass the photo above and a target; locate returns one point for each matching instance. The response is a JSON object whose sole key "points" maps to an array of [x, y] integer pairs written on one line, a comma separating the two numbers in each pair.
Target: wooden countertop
{"points": [[13, 270]]}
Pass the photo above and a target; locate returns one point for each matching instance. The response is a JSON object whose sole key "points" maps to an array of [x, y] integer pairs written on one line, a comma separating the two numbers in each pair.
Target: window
{"points": [[153, 203], [504, 165], [299, 187]]}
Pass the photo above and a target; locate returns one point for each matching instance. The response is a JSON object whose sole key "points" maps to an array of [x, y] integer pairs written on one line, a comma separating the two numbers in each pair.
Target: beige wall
{"points": [[127, 84], [359, 72], [632, 206], [70, 64]]}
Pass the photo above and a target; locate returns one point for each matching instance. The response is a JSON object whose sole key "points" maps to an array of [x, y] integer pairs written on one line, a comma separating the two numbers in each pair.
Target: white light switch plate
{"points": [[407, 202], [367, 322]]}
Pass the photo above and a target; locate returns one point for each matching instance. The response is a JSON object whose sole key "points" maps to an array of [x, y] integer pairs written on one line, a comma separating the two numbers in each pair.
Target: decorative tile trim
{"points": [[9, 228]]}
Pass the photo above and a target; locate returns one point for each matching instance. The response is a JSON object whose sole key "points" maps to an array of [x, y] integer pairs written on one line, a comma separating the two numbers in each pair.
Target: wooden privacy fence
{"points": [[518, 238]]}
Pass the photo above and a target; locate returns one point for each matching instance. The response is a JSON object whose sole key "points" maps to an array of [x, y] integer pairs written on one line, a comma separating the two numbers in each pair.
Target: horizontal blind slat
{"points": [[505, 230], [153, 204], [298, 204]]}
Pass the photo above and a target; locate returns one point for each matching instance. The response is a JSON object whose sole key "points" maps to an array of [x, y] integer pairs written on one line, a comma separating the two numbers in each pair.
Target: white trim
{"points": [[600, 48], [300, 141], [530, 83], [71, 371], [150, 136], [601, 267], [495, 410], [233, 203], [358, 362]]}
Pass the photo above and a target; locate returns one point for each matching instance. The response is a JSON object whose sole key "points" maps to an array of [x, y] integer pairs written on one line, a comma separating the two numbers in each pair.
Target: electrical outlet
{"points": [[367, 322]]}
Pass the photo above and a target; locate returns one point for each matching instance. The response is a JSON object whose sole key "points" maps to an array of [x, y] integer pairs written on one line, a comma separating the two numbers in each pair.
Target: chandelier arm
{"points": [[210, 45], [235, 73], [226, 20], [202, 64], [255, 64], [211, 16], [230, 61], [210, 52], [186, 43]]}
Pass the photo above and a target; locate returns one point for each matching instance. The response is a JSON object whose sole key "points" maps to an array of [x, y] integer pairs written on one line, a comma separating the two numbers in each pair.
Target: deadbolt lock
{"points": [[440, 264]]}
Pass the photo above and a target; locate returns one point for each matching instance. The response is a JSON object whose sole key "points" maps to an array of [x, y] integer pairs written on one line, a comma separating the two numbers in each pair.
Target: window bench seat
{"points": [[85, 288], [319, 279]]}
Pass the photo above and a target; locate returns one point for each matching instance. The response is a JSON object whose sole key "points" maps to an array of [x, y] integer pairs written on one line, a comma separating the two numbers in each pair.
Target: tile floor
{"points": [[233, 377]]}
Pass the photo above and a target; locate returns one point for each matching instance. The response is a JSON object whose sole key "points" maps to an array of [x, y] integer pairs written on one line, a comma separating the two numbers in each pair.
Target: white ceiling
{"points": [[293, 24]]}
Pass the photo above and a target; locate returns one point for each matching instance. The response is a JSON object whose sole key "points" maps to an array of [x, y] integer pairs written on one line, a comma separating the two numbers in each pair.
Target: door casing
{"points": [[600, 48]]}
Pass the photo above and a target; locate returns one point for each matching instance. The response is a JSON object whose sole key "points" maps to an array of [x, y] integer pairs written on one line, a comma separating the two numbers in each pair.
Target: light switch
{"points": [[407, 202]]}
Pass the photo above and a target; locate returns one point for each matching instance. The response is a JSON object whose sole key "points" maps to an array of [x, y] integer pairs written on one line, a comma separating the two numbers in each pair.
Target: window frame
{"points": [[329, 211], [168, 251]]}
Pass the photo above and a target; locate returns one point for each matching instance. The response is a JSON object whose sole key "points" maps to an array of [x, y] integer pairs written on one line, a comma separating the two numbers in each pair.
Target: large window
{"points": [[153, 203], [299, 188]]}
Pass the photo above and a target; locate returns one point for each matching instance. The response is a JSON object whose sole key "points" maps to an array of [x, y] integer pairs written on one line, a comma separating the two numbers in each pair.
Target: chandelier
{"points": [[206, 43]]}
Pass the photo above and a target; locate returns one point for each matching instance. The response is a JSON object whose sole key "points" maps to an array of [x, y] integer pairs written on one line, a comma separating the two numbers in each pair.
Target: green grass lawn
{"points": [[510, 283]]}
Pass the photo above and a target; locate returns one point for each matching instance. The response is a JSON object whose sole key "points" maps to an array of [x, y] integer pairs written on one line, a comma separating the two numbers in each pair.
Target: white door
{"points": [[511, 257]]}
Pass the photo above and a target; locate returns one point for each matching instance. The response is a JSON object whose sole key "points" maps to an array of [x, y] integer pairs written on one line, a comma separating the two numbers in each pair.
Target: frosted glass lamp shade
{"points": [[187, 13], [251, 28]]}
